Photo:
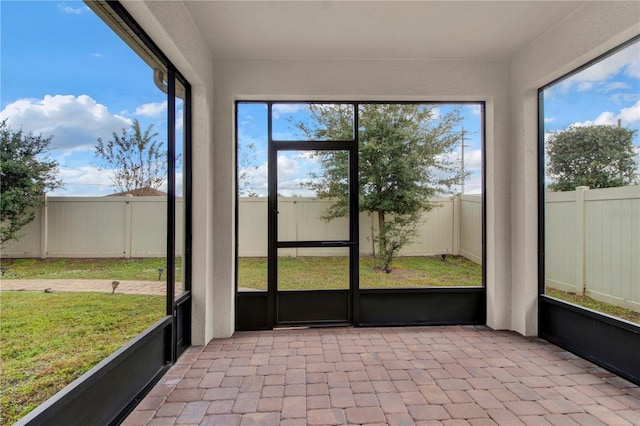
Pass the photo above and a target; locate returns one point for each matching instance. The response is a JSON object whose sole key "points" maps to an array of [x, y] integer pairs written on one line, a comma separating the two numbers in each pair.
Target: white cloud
{"points": [[85, 175], [633, 67], [624, 98], [549, 134], [549, 119], [585, 86], [473, 160], [256, 176], [74, 122], [292, 177], [475, 109], [72, 10], [606, 118], [90, 181], [436, 113], [627, 59], [246, 120], [279, 110], [617, 85], [97, 55], [295, 188], [287, 167], [308, 156], [84, 181], [472, 166], [179, 123], [153, 109], [629, 115]]}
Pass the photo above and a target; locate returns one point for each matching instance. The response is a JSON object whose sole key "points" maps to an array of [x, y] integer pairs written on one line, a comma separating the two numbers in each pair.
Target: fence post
{"points": [[44, 228], [457, 217], [128, 225], [581, 279]]}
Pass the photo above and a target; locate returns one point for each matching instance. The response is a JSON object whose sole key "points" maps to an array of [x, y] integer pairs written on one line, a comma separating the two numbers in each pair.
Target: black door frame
{"points": [[256, 310], [312, 307]]}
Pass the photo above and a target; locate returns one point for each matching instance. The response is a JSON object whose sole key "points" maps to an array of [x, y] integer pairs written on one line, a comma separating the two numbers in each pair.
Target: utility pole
{"points": [[462, 145]]}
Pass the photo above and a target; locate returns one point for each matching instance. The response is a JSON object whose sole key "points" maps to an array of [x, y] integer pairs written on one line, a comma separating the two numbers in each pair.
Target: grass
{"points": [[305, 273], [44, 349], [145, 269], [596, 305]]}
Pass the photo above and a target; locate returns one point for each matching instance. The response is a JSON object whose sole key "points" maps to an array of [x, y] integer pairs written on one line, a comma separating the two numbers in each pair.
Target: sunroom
{"points": [[499, 59]]}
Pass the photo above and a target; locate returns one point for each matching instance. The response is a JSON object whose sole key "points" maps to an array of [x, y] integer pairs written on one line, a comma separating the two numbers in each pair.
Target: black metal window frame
{"points": [[609, 342], [108, 392], [173, 75], [407, 304]]}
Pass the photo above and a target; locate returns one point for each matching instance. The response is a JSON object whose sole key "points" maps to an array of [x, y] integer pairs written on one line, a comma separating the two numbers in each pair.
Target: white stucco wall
{"points": [[171, 28], [509, 89], [377, 80]]}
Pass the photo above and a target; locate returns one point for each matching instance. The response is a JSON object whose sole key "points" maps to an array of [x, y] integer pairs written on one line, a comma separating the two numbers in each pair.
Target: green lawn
{"points": [[44, 349], [595, 305], [145, 269], [49, 339], [305, 273]]}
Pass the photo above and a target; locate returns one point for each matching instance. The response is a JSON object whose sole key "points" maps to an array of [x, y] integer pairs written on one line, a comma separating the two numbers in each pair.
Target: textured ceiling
{"points": [[454, 30]]}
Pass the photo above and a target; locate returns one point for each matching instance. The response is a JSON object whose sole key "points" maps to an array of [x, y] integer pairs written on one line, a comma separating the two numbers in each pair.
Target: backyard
{"points": [[47, 340], [331, 272], [138, 269], [44, 349], [596, 305]]}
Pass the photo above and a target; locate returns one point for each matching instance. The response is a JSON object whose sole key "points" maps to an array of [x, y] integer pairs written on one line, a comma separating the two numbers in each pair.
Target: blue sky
{"points": [[65, 74], [294, 167], [606, 93], [601, 94]]}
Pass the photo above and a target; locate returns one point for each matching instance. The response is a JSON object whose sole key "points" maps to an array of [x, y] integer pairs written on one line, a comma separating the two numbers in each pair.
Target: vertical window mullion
{"points": [[186, 267], [171, 195]]}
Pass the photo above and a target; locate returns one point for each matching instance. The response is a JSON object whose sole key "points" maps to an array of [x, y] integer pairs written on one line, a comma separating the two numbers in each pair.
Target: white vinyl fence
{"points": [[593, 243], [454, 227], [135, 227], [592, 236], [85, 227]]}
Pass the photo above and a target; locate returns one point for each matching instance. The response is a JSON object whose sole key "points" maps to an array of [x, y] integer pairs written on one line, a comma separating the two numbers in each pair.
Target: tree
{"points": [[245, 167], [404, 160], [138, 161], [597, 156], [25, 174]]}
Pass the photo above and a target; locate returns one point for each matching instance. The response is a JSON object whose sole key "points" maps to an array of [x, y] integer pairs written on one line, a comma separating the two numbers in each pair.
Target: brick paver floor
{"points": [[396, 376]]}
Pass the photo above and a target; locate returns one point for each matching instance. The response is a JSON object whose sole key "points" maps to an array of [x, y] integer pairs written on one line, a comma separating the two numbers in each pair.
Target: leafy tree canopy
{"points": [[25, 174], [597, 156], [137, 160], [404, 160]]}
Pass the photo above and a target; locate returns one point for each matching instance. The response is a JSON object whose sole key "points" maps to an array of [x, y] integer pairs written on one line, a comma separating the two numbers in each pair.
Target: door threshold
{"points": [[314, 325]]}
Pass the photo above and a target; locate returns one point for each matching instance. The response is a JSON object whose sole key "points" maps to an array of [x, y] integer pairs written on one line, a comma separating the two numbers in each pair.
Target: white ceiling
{"points": [[455, 30]]}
